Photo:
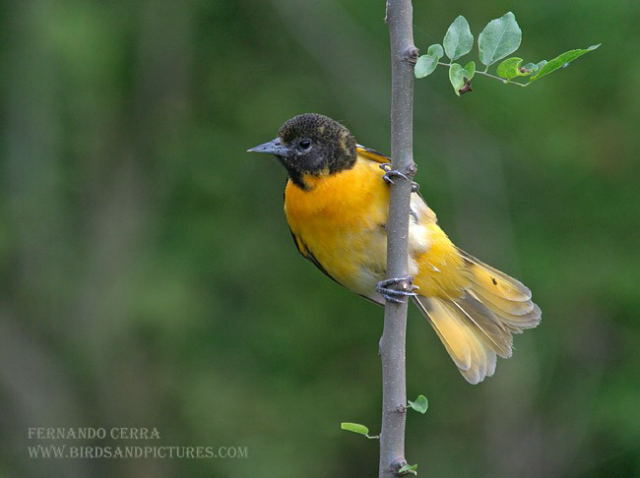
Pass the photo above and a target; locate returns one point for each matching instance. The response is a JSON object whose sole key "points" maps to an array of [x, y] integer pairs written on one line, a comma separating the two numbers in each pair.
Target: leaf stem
{"points": [[489, 75], [503, 80]]}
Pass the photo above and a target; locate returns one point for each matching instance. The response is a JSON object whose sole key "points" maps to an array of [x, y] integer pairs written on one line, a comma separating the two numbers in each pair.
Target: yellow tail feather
{"points": [[479, 324], [507, 298], [466, 345]]}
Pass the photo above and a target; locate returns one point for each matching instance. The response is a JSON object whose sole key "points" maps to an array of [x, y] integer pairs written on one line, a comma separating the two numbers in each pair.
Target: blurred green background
{"points": [[149, 279]]}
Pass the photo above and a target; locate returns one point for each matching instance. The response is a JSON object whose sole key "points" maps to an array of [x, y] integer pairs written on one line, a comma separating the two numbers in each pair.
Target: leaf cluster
{"points": [[500, 38]]}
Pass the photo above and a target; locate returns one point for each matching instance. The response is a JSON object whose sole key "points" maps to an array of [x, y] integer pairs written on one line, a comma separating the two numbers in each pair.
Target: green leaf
{"points": [[561, 61], [458, 40], [425, 65], [456, 77], [510, 68], [420, 404], [406, 469], [501, 37], [355, 428], [435, 50], [460, 77], [541, 64], [469, 70], [533, 67]]}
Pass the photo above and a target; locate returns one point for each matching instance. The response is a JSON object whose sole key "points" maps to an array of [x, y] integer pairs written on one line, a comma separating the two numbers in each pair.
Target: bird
{"points": [[336, 202]]}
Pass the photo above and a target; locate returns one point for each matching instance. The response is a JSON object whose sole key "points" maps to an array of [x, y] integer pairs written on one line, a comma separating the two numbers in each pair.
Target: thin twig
{"points": [[489, 75], [393, 341]]}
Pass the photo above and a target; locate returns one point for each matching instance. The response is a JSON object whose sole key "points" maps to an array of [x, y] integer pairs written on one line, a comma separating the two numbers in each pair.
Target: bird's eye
{"points": [[304, 144]]}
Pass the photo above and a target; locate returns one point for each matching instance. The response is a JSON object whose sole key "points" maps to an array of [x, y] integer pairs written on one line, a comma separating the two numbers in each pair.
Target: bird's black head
{"points": [[311, 144]]}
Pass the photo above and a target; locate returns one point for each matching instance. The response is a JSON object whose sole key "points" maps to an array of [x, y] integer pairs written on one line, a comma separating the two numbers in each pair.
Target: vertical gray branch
{"points": [[392, 344]]}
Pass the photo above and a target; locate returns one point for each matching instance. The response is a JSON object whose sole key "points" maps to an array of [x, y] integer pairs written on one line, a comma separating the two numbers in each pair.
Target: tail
{"points": [[478, 325]]}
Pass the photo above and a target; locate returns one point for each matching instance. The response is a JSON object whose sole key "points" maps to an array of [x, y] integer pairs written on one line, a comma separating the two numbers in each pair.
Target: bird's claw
{"points": [[396, 289], [390, 173]]}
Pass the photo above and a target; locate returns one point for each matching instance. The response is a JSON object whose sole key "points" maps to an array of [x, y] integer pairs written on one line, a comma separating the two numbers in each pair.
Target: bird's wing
{"points": [[307, 254], [372, 154]]}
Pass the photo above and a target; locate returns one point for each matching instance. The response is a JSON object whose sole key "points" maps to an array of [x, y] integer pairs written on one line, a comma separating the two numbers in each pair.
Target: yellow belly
{"points": [[340, 220]]}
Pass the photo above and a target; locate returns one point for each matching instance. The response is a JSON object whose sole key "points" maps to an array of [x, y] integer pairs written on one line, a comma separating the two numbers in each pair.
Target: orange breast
{"points": [[341, 219]]}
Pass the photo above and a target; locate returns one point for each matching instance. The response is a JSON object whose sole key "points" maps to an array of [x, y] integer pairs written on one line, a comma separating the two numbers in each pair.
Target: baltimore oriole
{"points": [[336, 202]]}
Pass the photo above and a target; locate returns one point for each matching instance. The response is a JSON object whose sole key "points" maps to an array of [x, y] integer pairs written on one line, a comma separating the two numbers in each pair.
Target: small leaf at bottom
{"points": [[420, 404], [406, 469], [355, 428]]}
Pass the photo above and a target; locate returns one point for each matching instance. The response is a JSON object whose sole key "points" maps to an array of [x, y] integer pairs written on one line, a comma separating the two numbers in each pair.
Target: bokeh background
{"points": [[149, 279]]}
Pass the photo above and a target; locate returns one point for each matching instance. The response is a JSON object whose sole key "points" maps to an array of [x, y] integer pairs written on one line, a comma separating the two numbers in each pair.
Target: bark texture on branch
{"points": [[392, 344]]}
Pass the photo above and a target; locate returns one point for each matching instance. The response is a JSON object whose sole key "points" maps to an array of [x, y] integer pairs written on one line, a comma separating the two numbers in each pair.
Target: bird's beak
{"points": [[271, 147]]}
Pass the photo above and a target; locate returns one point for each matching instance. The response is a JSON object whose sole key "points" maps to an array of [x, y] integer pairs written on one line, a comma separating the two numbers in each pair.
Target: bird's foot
{"points": [[396, 289], [390, 173]]}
